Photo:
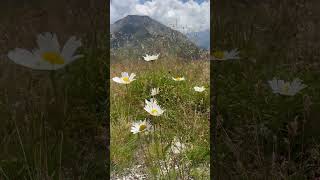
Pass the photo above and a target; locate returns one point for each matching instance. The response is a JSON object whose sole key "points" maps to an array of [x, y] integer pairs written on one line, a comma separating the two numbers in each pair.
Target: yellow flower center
{"points": [[154, 111], [218, 54], [126, 79], [285, 88], [53, 58], [142, 127], [179, 78]]}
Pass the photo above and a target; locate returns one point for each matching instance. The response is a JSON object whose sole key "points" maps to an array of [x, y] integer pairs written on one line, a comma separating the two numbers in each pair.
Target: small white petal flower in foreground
{"points": [[153, 108], [48, 56], [178, 78], [151, 57], [125, 78], [154, 91], [286, 88], [177, 147], [225, 55], [199, 89], [141, 126]]}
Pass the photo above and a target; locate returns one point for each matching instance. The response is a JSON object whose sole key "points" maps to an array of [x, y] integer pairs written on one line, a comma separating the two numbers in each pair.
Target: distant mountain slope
{"points": [[136, 35], [201, 38]]}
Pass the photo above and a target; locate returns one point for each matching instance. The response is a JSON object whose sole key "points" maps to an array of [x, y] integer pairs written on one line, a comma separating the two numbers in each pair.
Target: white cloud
{"points": [[187, 16]]}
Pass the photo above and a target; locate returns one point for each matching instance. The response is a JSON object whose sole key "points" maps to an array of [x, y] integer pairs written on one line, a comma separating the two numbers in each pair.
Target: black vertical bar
{"points": [[213, 101], [107, 20]]}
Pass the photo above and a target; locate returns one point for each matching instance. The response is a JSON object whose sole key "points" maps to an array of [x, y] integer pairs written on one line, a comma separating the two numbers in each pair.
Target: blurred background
{"points": [[54, 122], [262, 135]]}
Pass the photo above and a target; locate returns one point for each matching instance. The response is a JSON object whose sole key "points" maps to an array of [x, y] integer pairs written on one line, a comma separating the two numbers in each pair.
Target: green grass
{"points": [[55, 132], [186, 117]]}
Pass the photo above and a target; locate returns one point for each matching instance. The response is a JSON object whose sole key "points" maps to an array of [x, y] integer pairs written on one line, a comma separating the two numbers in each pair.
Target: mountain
{"points": [[136, 35], [201, 38]]}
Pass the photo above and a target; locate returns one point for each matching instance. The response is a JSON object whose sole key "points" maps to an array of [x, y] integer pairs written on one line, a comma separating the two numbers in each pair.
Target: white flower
{"points": [[154, 91], [125, 78], [225, 55], [153, 108], [141, 126], [48, 56], [177, 147], [178, 78], [151, 57], [199, 89], [286, 88]]}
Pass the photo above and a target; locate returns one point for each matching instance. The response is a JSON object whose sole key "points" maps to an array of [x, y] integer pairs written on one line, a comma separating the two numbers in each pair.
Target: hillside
{"points": [[136, 35], [200, 38]]}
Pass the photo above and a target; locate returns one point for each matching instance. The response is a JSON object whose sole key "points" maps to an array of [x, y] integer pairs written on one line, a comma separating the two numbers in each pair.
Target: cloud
{"points": [[188, 16]]}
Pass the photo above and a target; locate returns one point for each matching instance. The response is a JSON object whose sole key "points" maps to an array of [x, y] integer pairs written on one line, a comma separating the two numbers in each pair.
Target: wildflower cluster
{"points": [[151, 106]]}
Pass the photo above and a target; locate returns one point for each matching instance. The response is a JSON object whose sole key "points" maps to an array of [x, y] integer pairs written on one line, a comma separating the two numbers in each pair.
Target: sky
{"points": [[182, 15]]}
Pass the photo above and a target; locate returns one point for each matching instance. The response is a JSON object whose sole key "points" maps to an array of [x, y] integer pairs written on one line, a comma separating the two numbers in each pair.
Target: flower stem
{"points": [[53, 83]]}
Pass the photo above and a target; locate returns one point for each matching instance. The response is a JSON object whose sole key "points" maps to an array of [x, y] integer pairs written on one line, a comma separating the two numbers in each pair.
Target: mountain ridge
{"points": [[138, 35], [200, 38]]}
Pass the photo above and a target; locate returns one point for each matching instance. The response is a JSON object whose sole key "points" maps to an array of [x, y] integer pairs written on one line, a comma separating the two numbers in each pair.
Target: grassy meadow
{"points": [[50, 130], [186, 118], [53, 123]]}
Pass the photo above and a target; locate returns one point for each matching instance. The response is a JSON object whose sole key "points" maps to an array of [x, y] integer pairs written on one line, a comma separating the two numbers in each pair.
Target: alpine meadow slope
{"points": [[135, 35], [159, 103]]}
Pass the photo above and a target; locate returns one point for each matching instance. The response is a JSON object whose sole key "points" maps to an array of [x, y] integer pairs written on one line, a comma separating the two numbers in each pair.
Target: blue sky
{"points": [[182, 15]]}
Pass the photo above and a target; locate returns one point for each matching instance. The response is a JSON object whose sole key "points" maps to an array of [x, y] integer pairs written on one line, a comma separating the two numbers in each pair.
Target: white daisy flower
{"points": [[153, 108], [151, 57], [125, 78], [141, 126], [154, 91], [48, 56], [177, 147], [286, 88], [226, 55], [199, 89], [178, 78]]}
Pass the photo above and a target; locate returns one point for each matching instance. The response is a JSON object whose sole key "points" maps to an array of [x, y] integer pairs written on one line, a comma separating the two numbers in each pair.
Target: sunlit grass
{"points": [[186, 116]]}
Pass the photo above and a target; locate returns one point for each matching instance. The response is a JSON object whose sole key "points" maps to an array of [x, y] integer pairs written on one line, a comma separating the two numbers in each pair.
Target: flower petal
{"points": [[124, 74], [132, 76], [48, 42], [117, 79], [70, 48], [23, 57]]}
